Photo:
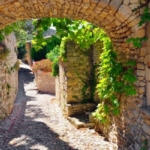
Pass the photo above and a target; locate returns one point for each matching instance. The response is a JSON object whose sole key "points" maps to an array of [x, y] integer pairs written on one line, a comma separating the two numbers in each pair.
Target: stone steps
{"points": [[79, 108], [82, 121]]}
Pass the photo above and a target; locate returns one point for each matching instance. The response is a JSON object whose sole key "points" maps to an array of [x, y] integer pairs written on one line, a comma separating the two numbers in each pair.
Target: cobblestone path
{"points": [[37, 123]]}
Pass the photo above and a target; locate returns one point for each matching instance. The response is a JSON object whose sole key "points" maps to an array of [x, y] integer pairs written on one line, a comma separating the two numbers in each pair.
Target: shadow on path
{"points": [[21, 130]]}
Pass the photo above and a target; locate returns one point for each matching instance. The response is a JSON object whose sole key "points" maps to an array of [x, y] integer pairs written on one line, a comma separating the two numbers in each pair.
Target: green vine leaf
{"points": [[137, 42]]}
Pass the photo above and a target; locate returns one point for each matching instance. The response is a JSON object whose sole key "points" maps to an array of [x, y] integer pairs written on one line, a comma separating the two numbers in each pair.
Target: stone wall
{"points": [[132, 127], [74, 75], [8, 77], [116, 17], [121, 23], [45, 82]]}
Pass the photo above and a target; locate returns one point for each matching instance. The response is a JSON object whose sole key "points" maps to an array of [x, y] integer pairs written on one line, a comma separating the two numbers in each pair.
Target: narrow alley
{"points": [[37, 123]]}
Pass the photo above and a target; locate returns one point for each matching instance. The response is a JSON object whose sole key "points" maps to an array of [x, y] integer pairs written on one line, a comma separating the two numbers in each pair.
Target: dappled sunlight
{"points": [[122, 79], [23, 140]]}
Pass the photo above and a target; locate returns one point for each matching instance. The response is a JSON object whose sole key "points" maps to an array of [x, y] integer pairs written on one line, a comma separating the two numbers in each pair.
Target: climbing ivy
{"points": [[89, 86], [115, 79], [80, 32], [145, 18]]}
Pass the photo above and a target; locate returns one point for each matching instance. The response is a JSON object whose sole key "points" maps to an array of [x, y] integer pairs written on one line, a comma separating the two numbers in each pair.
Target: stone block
{"points": [[103, 3], [77, 105], [141, 73], [142, 52], [91, 118], [133, 21], [45, 82], [140, 78], [146, 128], [126, 2], [133, 6], [125, 11], [147, 74], [148, 93], [138, 34], [89, 125], [141, 59], [115, 4], [147, 121], [71, 82], [134, 1], [142, 84], [71, 98], [70, 112], [140, 66], [76, 122], [147, 59], [91, 106]]}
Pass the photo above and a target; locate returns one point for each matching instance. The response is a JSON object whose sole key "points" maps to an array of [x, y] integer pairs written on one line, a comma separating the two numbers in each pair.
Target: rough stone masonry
{"points": [[120, 22]]}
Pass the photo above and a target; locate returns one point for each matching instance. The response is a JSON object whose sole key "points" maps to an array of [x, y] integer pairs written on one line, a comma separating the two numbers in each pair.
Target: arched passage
{"points": [[115, 17]]}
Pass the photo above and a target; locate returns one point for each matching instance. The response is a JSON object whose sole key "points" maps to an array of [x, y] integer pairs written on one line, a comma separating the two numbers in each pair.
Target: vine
{"points": [[80, 32], [115, 79], [4, 53], [144, 145], [145, 18], [89, 87]]}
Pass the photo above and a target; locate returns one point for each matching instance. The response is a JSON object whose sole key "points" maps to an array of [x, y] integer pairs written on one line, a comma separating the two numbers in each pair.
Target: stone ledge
{"points": [[78, 108], [79, 122]]}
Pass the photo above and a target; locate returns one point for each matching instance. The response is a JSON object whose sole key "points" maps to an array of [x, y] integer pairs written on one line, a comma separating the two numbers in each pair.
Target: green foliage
{"points": [[4, 53], [144, 145], [21, 33], [8, 88], [16, 65], [50, 43], [21, 52], [81, 32], [137, 42], [86, 95], [19, 28], [37, 56], [115, 78], [55, 68], [63, 48], [89, 88], [53, 55], [145, 17]]}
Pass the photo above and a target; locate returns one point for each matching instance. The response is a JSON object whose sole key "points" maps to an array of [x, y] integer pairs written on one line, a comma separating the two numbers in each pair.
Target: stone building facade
{"points": [[132, 127], [8, 76], [119, 21], [75, 77]]}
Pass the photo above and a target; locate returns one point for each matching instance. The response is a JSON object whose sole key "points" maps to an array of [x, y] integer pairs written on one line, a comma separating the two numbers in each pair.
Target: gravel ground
{"points": [[37, 123]]}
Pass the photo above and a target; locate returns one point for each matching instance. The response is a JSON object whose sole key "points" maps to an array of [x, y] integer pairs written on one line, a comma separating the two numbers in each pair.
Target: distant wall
{"points": [[45, 82]]}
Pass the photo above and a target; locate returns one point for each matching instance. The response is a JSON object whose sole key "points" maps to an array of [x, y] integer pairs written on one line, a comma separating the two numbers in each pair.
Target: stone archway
{"points": [[116, 17], [120, 23]]}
